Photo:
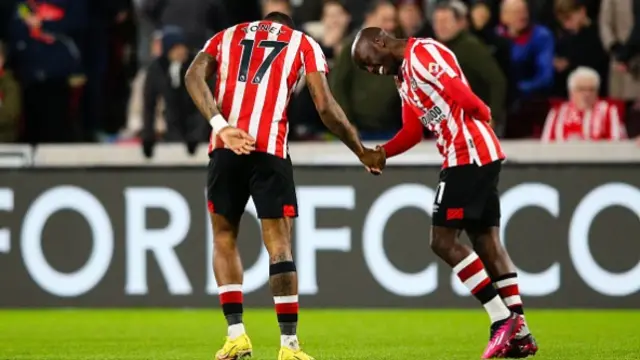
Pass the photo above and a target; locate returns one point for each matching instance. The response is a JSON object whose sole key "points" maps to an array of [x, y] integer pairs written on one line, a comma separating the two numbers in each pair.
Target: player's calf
{"points": [[283, 282]]}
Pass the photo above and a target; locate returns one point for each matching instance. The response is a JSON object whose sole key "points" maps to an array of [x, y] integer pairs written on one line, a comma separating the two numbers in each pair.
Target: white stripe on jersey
{"points": [[224, 62], [493, 151], [283, 92], [319, 54], [468, 139], [435, 54], [256, 114], [238, 94]]}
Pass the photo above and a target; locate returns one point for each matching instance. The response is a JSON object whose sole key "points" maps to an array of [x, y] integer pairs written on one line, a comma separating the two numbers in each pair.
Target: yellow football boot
{"points": [[236, 349], [289, 354]]}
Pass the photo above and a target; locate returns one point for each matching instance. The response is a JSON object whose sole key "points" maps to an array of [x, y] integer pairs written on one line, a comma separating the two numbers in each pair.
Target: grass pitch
{"points": [[326, 334]]}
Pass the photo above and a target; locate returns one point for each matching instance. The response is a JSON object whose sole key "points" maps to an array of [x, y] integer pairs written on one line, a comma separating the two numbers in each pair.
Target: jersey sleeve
{"points": [[313, 59], [432, 64], [212, 47], [409, 135], [435, 67]]}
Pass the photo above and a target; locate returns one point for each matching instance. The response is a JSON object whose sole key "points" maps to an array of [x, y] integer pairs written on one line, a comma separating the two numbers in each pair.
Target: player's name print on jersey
{"points": [[461, 139], [258, 66]]}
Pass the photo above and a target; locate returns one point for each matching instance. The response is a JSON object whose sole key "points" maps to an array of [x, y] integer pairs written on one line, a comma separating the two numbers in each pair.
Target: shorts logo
{"points": [[210, 206], [289, 210], [455, 214]]}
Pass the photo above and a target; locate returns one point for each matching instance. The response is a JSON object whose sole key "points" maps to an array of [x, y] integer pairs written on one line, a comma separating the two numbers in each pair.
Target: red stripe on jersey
{"points": [[234, 52]]}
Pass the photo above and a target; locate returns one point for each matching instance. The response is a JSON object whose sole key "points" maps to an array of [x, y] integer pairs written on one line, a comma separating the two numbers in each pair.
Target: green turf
{"points": [[327, 334]]}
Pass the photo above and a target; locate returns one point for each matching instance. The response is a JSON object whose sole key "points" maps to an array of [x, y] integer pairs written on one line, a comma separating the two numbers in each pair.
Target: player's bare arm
{"points": [[336, 121], [200, 70]]}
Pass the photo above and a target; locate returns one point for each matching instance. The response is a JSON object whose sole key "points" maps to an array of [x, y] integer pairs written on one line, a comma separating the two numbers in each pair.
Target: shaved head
{"points": [[514, 4], [377, 52]]}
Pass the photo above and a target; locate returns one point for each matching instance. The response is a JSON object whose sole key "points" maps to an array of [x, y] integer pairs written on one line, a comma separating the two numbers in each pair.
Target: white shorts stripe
{"points": [[285, 299], [229, 288]]}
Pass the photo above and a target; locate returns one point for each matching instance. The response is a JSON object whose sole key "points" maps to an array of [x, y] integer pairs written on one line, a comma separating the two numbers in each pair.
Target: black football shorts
{"points": [[266, 178], [467, 197]]}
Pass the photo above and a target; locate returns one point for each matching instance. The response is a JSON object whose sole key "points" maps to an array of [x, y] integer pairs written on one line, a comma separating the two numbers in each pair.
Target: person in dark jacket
{"points": [[199, 19], [482, 27], [578, 45], [10, 103], [479, 67], [165, 79], [370, 102], [45, 54]]}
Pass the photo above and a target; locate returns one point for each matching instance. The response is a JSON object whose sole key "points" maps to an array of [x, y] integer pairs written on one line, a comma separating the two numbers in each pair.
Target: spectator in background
{"points": [[165, 78], [578, 45], [616, 26], [410, 17], [10, 102], [282, 6], [330, 34], [122, 65], [480, 68], [311, 10], [584, 116], [43, 38], [532, 49], [200, 19], [335, 24], [370, 102], [482, 26], [136, 111]]}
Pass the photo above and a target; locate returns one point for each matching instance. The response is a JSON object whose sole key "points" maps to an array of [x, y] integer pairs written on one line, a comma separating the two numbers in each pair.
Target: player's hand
{"points": [[237, 140], [374, 160]]}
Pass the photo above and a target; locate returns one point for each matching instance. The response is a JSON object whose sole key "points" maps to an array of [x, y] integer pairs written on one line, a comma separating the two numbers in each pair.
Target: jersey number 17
{"points": [[247, 45]]}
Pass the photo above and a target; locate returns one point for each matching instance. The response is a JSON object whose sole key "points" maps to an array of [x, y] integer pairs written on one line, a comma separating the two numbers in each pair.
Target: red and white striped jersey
{"points": [[259, 65], [566, 123], [461, 139]]}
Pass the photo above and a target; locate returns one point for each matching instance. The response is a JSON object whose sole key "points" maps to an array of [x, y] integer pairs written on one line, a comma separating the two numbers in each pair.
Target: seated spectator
{"points": [[10, 103], [616, 27], [165, 79], [578, 45], [584, 116], [480, 68], [410, 17], [370, 102], [531, 52]]}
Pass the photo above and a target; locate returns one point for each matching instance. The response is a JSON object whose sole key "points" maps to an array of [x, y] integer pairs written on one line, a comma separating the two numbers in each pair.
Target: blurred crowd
{"points": [[112, 71]]}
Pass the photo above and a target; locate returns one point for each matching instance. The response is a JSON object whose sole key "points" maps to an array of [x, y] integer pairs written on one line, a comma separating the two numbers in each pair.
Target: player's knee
{"points": [[224, 241], [442, 239]]}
